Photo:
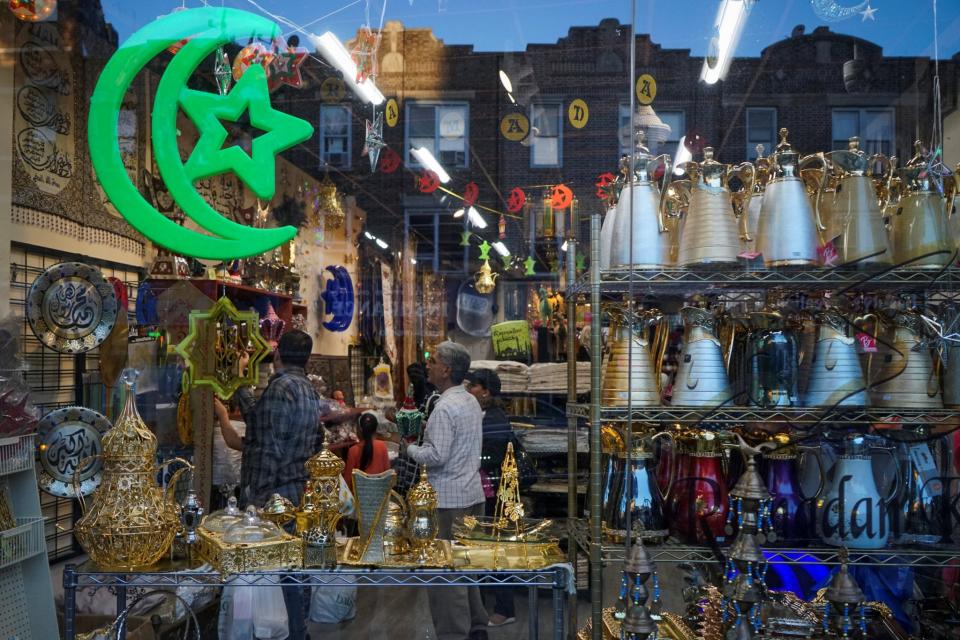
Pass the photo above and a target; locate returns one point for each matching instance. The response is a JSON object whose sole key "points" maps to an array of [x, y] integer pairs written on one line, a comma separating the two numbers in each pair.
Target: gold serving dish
{"points": [[437, 555], [526, 544], [251, 544]]}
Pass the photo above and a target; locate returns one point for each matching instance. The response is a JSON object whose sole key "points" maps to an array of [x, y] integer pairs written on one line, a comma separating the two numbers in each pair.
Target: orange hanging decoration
{"points": [[516, 200], [561, 196], [389, 160], [470, 194], [604, 180], [428, 182]]}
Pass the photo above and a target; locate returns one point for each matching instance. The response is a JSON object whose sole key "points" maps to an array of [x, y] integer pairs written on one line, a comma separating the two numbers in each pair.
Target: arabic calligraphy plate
{"points": [[71, 307], [66, 437]]}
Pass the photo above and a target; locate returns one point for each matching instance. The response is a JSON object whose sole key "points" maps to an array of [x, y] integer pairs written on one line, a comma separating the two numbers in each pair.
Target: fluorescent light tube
{"points": [[381, 243], [501, 248], [336, 54], [426, 160], [476, 219]]}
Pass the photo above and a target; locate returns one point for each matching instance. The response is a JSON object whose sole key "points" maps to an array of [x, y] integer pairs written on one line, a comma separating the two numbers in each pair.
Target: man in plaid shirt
{"points": [[451, 453]]}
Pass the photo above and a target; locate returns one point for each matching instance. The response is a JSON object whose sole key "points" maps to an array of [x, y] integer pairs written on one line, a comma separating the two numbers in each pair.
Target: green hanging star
{"points": [[529, 263], [581, 262], [485, 250], [280, 131], [465, 238]]}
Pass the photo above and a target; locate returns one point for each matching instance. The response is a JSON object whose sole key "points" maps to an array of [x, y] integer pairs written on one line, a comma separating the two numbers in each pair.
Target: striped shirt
{"points": [[451, 449]]}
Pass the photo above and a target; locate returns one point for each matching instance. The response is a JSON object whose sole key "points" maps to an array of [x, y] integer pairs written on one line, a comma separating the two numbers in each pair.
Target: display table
{"points": [[171, 575]]}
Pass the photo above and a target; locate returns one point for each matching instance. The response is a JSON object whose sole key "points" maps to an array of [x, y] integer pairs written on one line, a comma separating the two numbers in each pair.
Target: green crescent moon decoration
{"points": [[207, 29]]}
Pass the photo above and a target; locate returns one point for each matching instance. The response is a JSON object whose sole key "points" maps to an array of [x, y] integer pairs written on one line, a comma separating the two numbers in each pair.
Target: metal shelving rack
{"points": [[556, 577], [732, 284]]}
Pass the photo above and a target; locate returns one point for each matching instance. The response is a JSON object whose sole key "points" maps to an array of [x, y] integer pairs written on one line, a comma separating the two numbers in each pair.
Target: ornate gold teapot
{"points": [[788, 231], [131, 522], [632, 370], [855, 210], [920, 222], [708, 233]]}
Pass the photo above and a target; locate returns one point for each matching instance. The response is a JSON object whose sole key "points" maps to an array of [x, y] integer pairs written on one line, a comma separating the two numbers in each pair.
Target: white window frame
{"points": [[324, 136], [768, 143], [559, 161], [411, 161], [865, 141]]}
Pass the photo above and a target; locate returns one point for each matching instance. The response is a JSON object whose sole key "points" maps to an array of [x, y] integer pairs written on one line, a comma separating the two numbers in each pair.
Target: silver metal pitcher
{"points": [[856, 208], [702, 373], [709, 232], [836, 376], [606, 236], [761, 170], [632, 368], [920, 223], [641, 235], [788, 231], [907, 376]]}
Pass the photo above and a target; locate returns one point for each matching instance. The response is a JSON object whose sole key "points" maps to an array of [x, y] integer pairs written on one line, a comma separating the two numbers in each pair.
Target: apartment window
{"points": [[874, 127], [440, 128], [675, 119], [547, 145], [335, 136], [761, 129]]}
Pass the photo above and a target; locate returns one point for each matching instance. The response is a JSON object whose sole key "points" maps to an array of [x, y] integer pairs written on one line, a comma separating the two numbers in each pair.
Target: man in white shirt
{"points": [[451, 453]]}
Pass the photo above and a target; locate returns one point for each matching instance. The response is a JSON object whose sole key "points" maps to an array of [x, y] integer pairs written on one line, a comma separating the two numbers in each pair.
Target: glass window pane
{"points": [[546, 151], [545, 119], [422, 121], [759, 125], [846, 124], [674, 120]]}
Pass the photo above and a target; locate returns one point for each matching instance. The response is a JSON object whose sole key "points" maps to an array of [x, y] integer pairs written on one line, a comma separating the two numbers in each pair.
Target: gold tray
{"points": [[441, 557], [509, 555], [225, 557]]}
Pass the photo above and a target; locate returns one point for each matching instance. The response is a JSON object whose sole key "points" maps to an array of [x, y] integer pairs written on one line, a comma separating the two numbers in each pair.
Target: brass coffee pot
{"points": [[709, 231], [788, 231], [856, 209], [702, 373], [920, 223], [641, 237], [907, 376], [632, 370], [836, 377], [131, 522]]}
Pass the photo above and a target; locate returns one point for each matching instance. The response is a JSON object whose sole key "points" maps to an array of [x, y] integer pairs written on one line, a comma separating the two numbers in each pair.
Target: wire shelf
{"points": [[22, 542], [672, 552], [793, 415], [16, 454], [703, 279]]}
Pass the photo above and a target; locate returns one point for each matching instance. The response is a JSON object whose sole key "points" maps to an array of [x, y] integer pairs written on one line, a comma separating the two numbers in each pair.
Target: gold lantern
{"points": [[320, 509], [422, 523], [328, 202]]}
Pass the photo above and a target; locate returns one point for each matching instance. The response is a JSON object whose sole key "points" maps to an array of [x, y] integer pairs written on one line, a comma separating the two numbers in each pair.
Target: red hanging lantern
{"points": [[502, 228], [604, 180], [389, 160], [470, 194], [561, 196], [516, 200], [428, 182]]}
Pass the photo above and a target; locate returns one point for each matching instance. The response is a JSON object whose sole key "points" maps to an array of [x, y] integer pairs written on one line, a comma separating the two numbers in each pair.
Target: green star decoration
{"points": [[529, 263], [465, 238], [281, 131], [485, 250]]}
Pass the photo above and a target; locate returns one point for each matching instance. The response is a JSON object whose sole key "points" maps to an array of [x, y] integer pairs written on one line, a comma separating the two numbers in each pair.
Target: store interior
{"points": [[632, 320]]}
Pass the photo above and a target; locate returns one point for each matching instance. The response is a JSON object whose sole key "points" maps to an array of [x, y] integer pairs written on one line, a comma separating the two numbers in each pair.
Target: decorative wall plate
{"points": [[66, 437], [71, 307]]}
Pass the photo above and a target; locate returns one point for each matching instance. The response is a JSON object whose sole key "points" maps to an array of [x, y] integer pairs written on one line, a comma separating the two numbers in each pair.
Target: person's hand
{"points": [[217, 404]]}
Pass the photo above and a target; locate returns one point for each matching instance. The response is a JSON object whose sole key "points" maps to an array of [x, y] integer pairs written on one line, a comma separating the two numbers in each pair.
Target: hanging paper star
{"points": [[250, 55], [364, 54], [373, 142], [868, 13], [529, 263], [285, 66], [222, 72], [485, 250], [464, 238]]}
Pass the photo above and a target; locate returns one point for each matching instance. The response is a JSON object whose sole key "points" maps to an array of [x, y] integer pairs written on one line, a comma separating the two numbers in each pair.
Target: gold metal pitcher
{"points": [[709, 231], [632, 370], [788, 231], [702, 374], [836, 377], [920, 223], [907, 376], [131, 522], [641, 235], [855, 208], [761, 168]]}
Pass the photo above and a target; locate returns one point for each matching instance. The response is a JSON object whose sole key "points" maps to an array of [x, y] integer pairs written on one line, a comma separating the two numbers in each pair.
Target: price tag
{"points": [[922, 459], [828, 254], [868, 344], [749, 255]]}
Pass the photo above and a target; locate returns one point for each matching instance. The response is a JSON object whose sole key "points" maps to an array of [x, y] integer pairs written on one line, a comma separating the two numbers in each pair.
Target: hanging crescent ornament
{"points": [[561, 196], [832, 11], [470, 194], [208, 28], [428, 182], [516, 200]]}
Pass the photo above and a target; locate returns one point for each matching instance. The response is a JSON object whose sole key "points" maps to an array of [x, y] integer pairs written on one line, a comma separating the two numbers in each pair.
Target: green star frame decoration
{"points": [[212, 349]]}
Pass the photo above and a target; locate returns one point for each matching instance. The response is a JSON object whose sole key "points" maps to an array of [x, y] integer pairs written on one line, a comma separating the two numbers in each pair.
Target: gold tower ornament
{"points": [[131, 522], [422, 523], [320, 509], [215, 343]]}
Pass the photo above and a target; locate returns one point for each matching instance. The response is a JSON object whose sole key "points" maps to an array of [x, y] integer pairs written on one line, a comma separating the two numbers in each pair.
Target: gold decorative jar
{"points": [[131, 522], [422, 523]]}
